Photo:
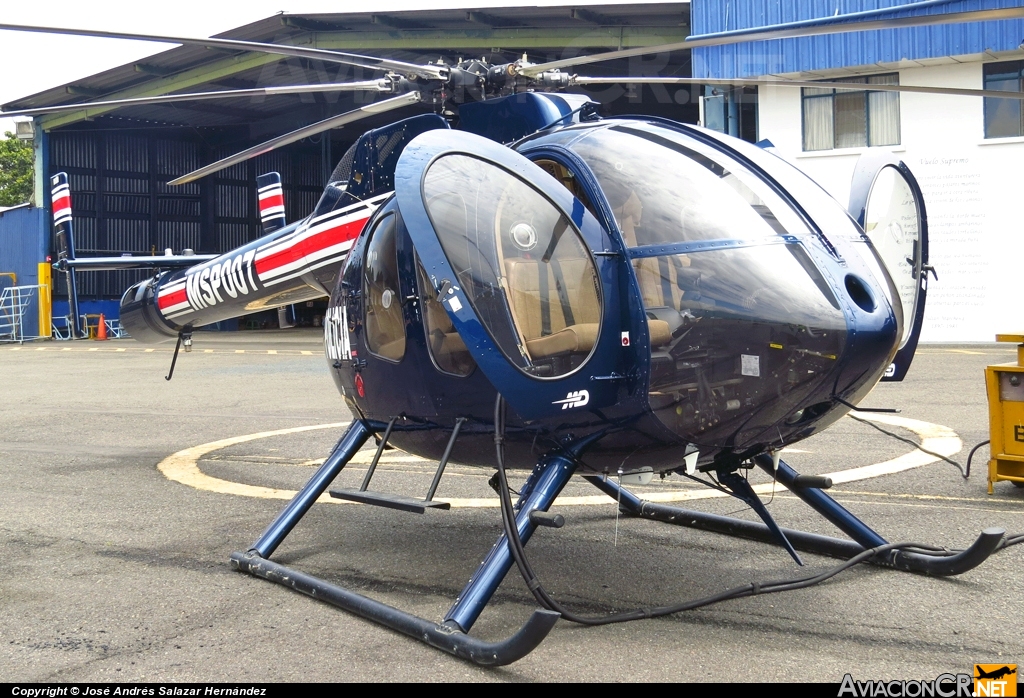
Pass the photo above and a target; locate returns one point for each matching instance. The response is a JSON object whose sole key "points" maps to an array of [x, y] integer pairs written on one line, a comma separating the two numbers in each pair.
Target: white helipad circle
{"points": [[183, 467]]}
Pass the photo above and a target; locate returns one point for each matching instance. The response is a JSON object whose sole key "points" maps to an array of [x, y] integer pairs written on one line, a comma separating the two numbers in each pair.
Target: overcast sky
{"points": [[31, 63]]}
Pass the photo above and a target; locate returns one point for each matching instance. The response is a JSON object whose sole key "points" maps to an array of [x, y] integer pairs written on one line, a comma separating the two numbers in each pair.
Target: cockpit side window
{"points": [[382, 300], [521, 263], [567, 179], [444, 343]]}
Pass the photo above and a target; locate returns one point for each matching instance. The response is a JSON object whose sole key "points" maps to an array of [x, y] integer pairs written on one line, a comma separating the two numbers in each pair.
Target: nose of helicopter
{"points": [[768, 342], [762, 315]]}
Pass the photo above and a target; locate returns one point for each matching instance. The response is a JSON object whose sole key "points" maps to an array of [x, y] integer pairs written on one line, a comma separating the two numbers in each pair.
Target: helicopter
{"points": [[518, 283]]}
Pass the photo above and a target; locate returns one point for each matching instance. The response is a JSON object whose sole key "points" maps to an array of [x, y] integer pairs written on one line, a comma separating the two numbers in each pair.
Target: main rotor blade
{"points": [[784, 33], [382, 85], [825, 85], [313, 129], [430, 72]]}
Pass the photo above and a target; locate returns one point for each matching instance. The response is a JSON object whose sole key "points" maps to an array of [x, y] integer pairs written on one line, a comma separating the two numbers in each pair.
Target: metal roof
{"points": [[839, 53], [500, 34]]}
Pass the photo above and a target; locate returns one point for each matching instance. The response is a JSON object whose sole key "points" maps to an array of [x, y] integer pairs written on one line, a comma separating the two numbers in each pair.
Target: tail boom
{"points": [[293, 264]]}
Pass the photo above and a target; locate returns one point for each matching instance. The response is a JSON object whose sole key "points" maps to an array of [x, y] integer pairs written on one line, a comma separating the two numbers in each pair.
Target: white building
{"points": [[966, 152]]}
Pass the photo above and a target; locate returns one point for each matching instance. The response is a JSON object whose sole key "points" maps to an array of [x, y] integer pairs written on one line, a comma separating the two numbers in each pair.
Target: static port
{"points": [[1014, 380], [859, 293]]}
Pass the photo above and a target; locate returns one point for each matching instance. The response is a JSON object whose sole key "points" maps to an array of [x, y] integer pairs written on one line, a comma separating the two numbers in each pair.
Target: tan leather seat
{"points": [[652, 274], [530, 299], [578, 339], [446, 345], [660, 332]]}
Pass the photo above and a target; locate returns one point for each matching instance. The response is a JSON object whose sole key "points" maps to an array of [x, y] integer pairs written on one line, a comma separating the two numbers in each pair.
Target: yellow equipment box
{"points": [[1005, 384]]}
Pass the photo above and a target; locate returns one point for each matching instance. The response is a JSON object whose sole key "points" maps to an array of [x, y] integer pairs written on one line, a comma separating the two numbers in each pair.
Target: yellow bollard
{"points": [[45, 299]]}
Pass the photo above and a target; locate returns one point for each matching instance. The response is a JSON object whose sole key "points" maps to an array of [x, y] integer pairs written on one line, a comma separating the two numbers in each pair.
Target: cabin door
{"points": [[529, 278], [887, 202]]}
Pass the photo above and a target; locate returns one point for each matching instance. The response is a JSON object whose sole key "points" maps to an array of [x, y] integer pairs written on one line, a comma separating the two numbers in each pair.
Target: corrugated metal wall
{"points": [[23, 245], [839, 50], [121, 201]]}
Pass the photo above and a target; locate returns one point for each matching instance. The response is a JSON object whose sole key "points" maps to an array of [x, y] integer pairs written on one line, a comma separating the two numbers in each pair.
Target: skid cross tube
{"points": [[544, 485], [352, 440], [939, 565], [551, 475], [837, 515]]}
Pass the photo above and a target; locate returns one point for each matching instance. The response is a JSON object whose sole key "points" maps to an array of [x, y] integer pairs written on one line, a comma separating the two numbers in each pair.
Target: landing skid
{"points": [[944, 565], [451, 635], [541, 489], [444, 637]]}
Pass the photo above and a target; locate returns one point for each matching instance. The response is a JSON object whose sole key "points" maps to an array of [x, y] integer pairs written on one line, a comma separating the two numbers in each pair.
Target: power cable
{"points": [[533, 583], [964, 474]]}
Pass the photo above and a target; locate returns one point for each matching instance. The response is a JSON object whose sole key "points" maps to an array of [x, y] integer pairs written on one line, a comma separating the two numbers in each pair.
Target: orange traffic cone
{"points": [[101, 331]]}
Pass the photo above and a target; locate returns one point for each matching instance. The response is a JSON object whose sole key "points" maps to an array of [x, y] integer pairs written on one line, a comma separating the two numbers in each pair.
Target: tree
{"points": [[16, 170]]}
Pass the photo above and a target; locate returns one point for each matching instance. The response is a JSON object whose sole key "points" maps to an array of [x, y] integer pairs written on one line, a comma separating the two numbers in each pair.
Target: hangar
{"points": [[120, 160]]}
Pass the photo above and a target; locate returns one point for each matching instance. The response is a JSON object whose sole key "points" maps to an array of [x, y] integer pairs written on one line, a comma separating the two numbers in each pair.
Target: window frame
{"points": [[831, 97], [1003, 67], [514, 320], [425, 293]]}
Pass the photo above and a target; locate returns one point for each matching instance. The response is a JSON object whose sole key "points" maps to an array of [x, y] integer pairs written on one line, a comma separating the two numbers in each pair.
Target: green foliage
{"points": [[16, 177]]}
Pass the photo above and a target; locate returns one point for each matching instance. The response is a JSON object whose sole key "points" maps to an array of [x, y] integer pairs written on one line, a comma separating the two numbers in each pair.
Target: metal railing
{"points": [[14, 301]]}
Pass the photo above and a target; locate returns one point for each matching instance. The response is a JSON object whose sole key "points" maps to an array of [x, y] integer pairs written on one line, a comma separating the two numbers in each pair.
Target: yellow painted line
{"points": [[939, 497], [183, 467], [881, 502], [150, 350], [964, 351]]}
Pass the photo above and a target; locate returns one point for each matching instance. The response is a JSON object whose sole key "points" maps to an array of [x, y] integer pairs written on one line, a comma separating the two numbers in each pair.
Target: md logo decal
{"points": [[577, 398]]}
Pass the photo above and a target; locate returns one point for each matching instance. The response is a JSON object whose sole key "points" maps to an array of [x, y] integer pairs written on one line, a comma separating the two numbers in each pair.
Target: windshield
{"points": [[662, 191], [741, 333]]}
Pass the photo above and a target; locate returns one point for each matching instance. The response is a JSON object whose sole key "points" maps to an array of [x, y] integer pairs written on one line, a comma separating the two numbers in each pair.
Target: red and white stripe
{"points": [[173, 300], [317, 243], [271, 202], [61, 196]]}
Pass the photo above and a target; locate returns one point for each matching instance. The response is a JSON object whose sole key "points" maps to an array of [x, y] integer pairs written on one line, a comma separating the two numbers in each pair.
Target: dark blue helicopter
{"points": [[541, 288]]}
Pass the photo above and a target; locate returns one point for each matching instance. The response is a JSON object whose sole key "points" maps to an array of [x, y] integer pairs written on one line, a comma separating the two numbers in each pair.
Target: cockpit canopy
{"points": [[737, 329]]}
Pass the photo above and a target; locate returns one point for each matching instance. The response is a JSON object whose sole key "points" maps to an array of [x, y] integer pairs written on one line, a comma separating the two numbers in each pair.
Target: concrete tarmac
{"points": [[114, 571]]}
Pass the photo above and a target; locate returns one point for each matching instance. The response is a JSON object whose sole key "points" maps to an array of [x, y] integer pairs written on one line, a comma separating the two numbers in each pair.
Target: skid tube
{"points": [[937, 564], [451, 635]]}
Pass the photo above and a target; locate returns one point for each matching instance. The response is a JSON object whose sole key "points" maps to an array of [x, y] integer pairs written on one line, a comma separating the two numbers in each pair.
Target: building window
{"points": [[840, 119], [732, 111], [1004, 117]]}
